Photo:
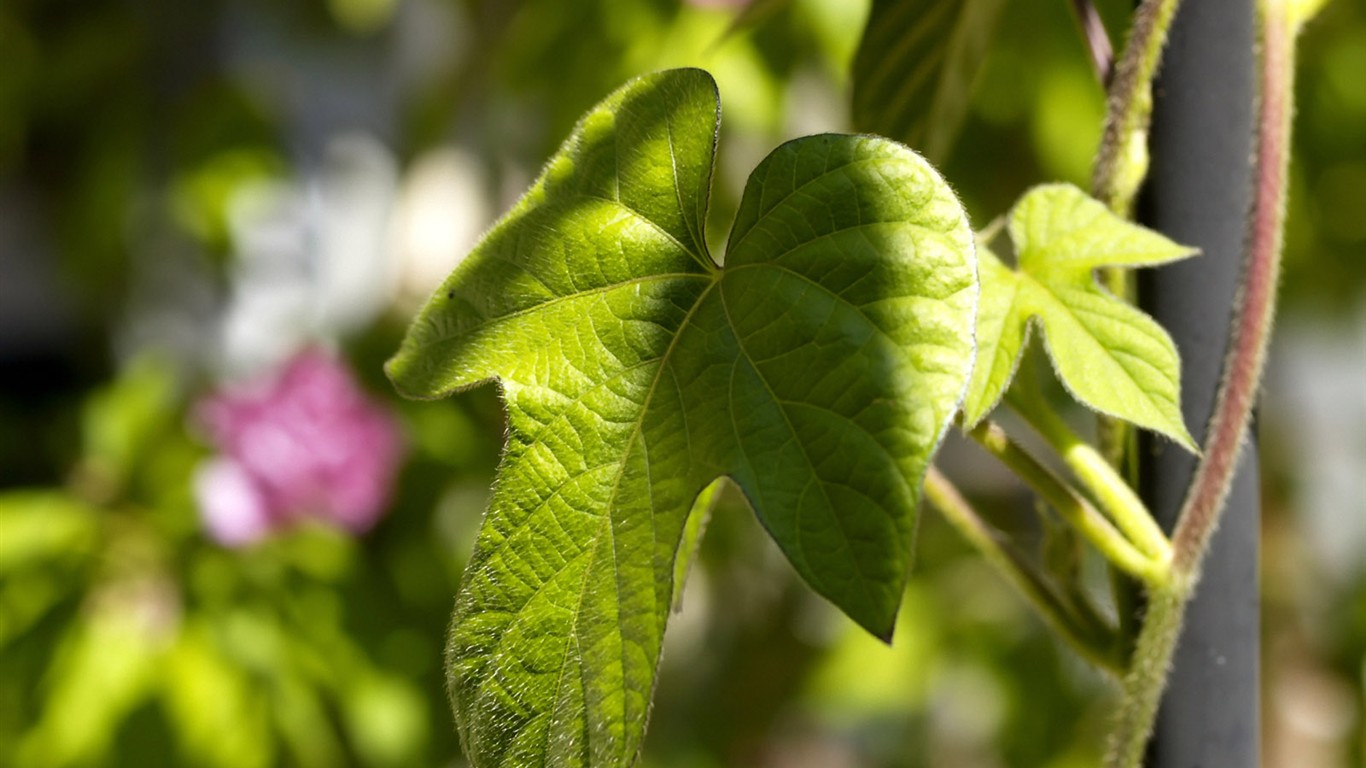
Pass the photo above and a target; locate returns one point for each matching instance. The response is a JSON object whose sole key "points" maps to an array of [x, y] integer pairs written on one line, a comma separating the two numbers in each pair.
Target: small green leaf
{"points": [[818, 371], [1109, 355], [915, 68]]}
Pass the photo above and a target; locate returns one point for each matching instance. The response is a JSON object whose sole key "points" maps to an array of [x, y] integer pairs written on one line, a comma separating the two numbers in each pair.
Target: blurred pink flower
{"points": [[304, 444]]}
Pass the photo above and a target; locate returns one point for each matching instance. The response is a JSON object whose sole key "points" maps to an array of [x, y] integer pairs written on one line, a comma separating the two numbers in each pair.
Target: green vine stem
{"points": [[1146, 677], [1122, 161], [1080, 626], [1253, 316], [1070, 505]]}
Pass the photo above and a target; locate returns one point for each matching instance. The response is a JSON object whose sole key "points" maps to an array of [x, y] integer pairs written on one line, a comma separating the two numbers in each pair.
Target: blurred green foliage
{"points": [[126, 634], [1325, 231], [129, 131]]}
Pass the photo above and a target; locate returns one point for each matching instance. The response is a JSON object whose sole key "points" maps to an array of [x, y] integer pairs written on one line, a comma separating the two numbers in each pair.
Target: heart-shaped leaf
{"points": [[915, 68], [1109, 355], [818, 371]]}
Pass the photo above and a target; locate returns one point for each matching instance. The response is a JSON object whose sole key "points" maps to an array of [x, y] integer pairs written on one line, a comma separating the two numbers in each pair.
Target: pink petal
{"points": [[306, 442], [231, 505]]}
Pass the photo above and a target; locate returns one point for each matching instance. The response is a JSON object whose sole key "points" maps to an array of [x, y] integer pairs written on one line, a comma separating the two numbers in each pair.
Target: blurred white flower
{"points": [[442, 210], [313, 258]]}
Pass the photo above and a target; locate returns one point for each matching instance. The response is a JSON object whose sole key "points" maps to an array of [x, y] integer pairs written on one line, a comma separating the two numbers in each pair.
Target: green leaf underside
{"points": [[817, 371], [1109, 355], [915, 67]]}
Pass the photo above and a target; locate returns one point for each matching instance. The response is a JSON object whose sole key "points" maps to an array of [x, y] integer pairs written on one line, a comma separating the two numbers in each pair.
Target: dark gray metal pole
{"points": [[1198, 193]]}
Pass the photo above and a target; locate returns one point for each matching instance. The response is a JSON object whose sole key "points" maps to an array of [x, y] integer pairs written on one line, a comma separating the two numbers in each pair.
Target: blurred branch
{"points": [[1097, 40], [1079, 625]]}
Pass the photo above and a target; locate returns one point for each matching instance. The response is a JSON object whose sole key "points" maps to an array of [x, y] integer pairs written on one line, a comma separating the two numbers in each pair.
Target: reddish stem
{"points": [[1097, 40], [1256, 306]]}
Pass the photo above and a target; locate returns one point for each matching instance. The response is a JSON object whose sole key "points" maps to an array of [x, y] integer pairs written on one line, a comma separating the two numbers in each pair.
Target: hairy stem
{"points": [[1146, 677], [1256, 304], [1081, 627], [1070, 505], [1254, 311], [1123, 158]]}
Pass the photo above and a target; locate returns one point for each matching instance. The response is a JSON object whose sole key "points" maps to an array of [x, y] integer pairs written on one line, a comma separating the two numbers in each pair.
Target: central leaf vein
{"points": [[843, 543]]}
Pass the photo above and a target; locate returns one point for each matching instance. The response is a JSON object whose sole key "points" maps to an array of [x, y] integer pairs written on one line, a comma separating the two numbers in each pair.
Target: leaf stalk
{"points": [[1098, 476], [1079, 625], [1071, 506]]}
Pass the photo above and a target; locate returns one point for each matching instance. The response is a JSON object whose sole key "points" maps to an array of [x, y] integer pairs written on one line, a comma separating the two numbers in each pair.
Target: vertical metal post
{"points": [[1198, 193]]}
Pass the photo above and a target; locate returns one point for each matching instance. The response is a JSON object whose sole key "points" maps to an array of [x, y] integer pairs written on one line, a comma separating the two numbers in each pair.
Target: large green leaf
{"points": [[1109, 355], [818, 371], [915, 68]]}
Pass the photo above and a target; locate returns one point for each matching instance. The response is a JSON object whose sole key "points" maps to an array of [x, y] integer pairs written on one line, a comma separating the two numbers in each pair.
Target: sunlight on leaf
{"points": [[1109, 355], [818, 371]]}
